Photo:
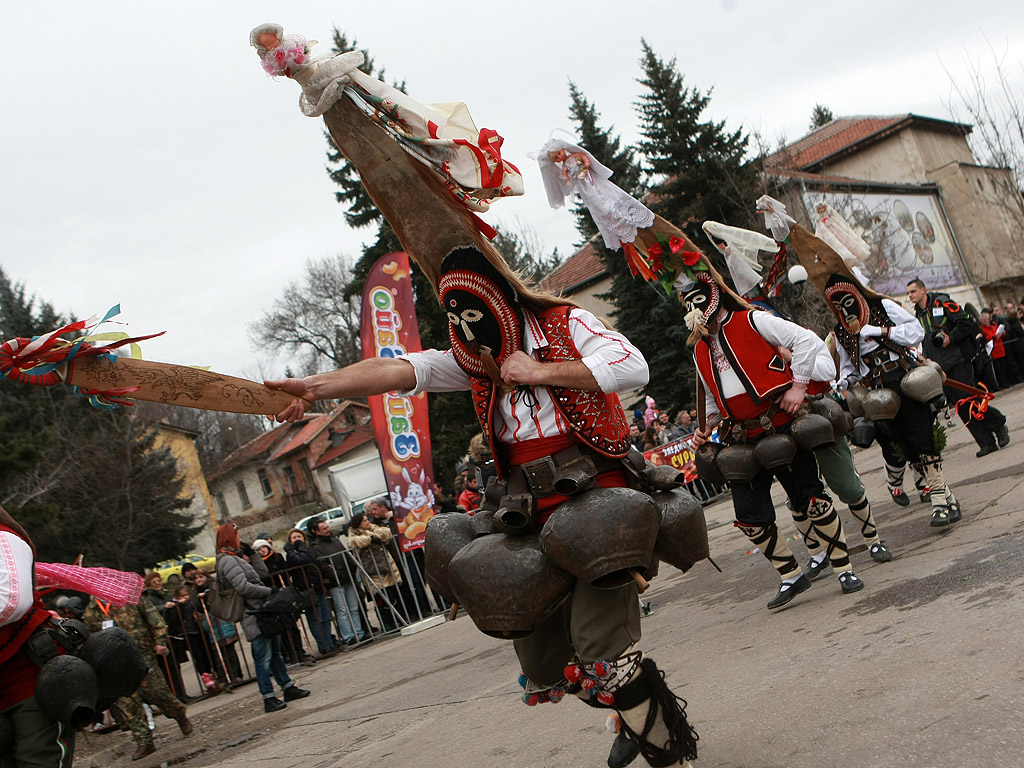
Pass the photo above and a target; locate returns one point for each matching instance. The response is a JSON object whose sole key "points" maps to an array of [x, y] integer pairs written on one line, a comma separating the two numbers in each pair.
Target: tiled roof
{"points": [[846, 133], [257, 447], [311, 429], [582, 267], [358, 436]]}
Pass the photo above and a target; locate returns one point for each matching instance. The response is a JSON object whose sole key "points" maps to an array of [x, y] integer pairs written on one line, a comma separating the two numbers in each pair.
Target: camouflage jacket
{"points": [[141, 621]]}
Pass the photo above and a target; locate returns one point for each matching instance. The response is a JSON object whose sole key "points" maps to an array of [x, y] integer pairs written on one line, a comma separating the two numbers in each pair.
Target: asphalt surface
{"points": [[924, 667]]}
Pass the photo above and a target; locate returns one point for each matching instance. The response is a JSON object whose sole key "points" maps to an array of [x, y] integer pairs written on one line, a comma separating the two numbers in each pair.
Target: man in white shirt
{"points": [[543, 376], [753, 392]]}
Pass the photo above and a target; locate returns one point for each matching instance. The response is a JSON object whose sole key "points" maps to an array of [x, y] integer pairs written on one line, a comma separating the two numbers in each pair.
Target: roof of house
{"points": [[354, 438], [583, 267], [848, 134], [258, 447], [311, 429]]}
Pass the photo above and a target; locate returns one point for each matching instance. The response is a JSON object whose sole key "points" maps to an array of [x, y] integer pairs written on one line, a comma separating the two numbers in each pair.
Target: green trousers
{"points": [[39, 740]]}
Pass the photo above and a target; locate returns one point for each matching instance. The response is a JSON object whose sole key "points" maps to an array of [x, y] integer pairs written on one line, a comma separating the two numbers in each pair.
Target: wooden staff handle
{"points": [[641, 583], [453, 612]]}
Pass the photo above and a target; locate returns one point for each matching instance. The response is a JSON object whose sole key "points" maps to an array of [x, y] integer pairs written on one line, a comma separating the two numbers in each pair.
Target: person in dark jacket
{"points": [[246, 579], [950, 339], [309, 581], [339, 573], [277, 576]]}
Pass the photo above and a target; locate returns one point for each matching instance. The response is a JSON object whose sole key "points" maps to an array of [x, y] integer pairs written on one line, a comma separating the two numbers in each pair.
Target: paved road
{"points": [[922, 668]]}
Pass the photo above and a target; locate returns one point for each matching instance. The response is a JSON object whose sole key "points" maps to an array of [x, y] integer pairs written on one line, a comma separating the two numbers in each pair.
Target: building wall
{"points": [[182, 446], [227, 485], [588, 299], [988, 225]]}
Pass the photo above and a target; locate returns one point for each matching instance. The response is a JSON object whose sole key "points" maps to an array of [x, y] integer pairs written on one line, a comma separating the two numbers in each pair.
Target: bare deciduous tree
{"points": [[314, 317]]}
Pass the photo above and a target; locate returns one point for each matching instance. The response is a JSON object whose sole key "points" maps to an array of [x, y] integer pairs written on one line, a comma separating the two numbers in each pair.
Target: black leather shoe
{"points": [[293, 692], [816, 570], [1003, 437], [850, 583], [880, 553], [986, 450], [788, 591], [899, 497], [947, 514], [273, 704], [624, 751]]}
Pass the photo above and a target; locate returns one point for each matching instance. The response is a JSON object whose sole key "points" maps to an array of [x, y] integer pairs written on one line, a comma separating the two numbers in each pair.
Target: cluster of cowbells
{"points": [[508, 584]]}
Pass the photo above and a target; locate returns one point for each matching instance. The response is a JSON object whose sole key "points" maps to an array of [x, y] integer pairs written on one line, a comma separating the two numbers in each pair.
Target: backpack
{"points": [[224, 602], [279, 612]]}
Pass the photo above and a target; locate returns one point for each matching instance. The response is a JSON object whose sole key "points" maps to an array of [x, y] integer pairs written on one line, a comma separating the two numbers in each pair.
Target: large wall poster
{"points": [[905, 232]]}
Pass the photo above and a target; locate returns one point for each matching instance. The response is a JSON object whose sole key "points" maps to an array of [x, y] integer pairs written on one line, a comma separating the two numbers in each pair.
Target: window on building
{"points": [[265, 482], [243, 495], [289, 475], [222, 505]]}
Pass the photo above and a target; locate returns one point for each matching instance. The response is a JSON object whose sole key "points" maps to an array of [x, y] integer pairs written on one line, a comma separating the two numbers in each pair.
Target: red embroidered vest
{"points": [[761, 369], [596, 418]]}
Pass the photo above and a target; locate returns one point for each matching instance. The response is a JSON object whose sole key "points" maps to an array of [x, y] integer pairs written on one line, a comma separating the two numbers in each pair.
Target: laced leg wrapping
{"points": [[773, 546], [931, 468], [894, 475], [827, 525], [660, 729], [861, 510], [803, 524]]}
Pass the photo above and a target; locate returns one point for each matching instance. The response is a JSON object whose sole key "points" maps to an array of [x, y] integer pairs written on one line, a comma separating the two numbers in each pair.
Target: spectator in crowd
{"points": [[246, 579], [1014, 338], [1006, 367], [635, 437], [684, 424], [219, 638], [184, 615], [175, 609], [380, 514], [459, 483], [277, 576], [650, 439], [154, 591], [664, 429], [469, 499], [339, 574], [188, 574], [371, 543], [950, 339], [651, 412], [149, 631], [445, 502], [308, 580]]}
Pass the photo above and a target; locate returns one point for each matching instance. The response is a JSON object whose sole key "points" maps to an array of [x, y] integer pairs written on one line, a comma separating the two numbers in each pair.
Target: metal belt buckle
{"points": [[540, 475]]}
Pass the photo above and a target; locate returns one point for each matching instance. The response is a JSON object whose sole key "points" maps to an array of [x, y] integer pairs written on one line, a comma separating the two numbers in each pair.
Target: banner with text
{"points": [[678, 455], [400, 424]]}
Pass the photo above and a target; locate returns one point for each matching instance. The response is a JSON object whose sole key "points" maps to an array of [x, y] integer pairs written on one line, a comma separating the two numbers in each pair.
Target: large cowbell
{"points": [[484, 316]]}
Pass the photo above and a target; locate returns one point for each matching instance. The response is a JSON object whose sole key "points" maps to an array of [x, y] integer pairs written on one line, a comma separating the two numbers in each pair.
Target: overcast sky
{"points": [[148, 160]]}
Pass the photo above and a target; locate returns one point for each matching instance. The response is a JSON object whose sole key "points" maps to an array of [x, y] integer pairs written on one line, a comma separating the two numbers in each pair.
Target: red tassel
{"points": [[606, 698], [572, 673]]}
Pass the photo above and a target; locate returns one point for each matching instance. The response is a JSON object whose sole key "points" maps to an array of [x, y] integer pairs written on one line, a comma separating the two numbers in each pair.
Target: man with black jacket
{"points": [[338, 574], [950, 340]]}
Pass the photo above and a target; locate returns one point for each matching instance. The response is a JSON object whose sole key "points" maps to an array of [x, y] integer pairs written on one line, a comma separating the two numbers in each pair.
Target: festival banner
{"points": [[677, 454], [400, 424]]}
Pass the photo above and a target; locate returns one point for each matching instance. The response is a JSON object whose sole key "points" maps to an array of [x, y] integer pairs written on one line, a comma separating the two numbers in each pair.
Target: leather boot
{"points": [[143, 750]]}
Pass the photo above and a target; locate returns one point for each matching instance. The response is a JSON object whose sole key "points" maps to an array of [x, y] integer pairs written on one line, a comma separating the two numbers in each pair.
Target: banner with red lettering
{"points": [[678, 454], [400, 424]]}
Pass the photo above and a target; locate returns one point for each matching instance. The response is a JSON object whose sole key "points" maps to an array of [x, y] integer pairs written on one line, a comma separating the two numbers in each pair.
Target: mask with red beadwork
{"points": [[485, 320]]}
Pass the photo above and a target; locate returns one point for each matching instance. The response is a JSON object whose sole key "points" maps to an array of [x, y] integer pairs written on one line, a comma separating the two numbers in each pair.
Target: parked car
{"points": [[170, 570], [337, 518]]}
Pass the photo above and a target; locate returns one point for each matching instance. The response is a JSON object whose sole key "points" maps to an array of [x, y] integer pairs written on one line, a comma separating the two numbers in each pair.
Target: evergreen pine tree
{"points": [[452, 420], [821, 115], [699, 170], [651, 319]]}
